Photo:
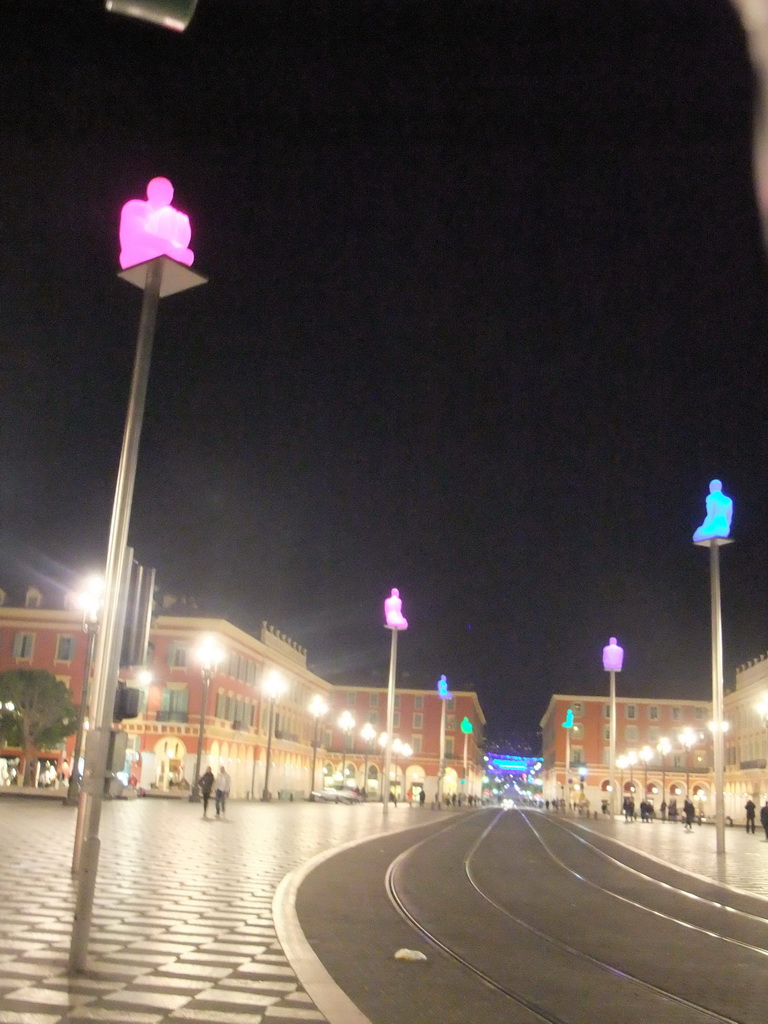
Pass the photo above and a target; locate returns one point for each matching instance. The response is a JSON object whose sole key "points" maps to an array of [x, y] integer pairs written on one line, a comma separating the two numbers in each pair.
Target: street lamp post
{"points": [[394, 621], [209, 656], [645, 756], [90, 602], [369, 735], [713, 533], [613, 660], [466, 728], [663, 747], [383, 743], [317, 708], [621, 764], [568, 725], [631, 761], [346, 724], [687, 739], [397, 749], [274, 687], [406, 750], [445, 695]]}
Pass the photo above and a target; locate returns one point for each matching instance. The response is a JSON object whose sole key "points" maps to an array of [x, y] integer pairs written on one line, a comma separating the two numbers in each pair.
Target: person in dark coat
{"points": [[205, 785], [764, 817], [689, 813], [750, 808]]}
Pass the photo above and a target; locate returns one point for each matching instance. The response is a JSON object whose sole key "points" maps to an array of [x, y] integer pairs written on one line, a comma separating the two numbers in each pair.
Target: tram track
{"points": [[626, 980]]}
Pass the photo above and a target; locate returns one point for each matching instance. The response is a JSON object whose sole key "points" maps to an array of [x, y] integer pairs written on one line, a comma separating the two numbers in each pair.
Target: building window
{"points": [[65, 648], [631, 711], [653, 713], [677, 760], [418, 703], [449, 746], [577, 731], [396, 722], [578, 709], [450, 722], [397, 700], [606, 710], [631, 734], [23, 645], [351, 698], [373, 718], [675, 714], [698, 713], [654, 734], [451, 704], [177, 656], [373, 700], [221, 704], [416, 744], [606, 732], [418, 720]]}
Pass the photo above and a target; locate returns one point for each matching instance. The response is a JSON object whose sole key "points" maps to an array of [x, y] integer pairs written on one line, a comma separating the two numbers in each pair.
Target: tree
{"points": [[44, 709]]}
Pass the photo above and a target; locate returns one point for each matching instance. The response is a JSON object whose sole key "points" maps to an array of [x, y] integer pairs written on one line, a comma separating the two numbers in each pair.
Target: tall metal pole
{"points": [[390, 721], [717, 693], [91, 628], [265, 794], [314, 755], [612, 748], [567, 769], [110, 635], [194, 796], [441, 769]]}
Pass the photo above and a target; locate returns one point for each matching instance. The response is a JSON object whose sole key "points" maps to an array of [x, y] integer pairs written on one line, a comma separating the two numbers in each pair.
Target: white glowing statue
{"points": [[152, 227], [393, 611], [442, 689], [717, 522]]}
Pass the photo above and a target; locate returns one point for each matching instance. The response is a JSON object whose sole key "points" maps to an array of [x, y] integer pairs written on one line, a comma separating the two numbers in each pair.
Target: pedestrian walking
{"points": [[672, 810], [750, 808], [663, 810], [205, 785], [764, 817], [423, 797], [689, 813], [222, 790]]}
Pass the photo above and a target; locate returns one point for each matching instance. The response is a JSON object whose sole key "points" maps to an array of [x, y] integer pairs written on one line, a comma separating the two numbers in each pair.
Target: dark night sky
{"points": [[486, 312]]}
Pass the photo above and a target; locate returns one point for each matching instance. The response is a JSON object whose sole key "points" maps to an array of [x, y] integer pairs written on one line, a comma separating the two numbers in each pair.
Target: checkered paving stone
{"points": [[182, 925]]}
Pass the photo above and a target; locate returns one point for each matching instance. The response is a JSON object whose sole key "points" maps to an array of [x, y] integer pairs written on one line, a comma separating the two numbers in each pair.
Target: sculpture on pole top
{"points": [[393, 611], [568, 723], [717, 522], [613, 656], [442, 689], [151, 227]]}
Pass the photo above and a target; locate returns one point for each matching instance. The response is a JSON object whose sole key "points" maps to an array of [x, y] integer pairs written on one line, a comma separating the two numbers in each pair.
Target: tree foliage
{"points": [[43, 712]]}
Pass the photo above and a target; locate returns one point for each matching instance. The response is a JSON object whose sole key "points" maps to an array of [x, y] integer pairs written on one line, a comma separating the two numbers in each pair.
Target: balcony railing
{"points": [[746, 765], [171, 716]]}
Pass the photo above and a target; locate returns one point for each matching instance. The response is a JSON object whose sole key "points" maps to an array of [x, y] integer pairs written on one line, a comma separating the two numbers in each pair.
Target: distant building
{"points": [[163, 739], [640, 723]]}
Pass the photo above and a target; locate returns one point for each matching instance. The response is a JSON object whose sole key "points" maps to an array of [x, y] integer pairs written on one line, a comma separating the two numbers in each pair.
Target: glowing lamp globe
{"points": [[151, 227], [613, 656]]}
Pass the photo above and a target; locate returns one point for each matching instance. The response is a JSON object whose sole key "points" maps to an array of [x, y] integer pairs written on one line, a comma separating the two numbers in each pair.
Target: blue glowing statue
{"points": [[717, 522]]}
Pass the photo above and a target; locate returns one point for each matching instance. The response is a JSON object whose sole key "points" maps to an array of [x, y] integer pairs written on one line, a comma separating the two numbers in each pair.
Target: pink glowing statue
{"points": [[152, 227], [393, 611], [613, 656]]}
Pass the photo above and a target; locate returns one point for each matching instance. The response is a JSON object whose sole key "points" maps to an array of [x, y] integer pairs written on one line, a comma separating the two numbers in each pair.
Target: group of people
{"points": [[220, 786], [648, 812], [750, 807]]}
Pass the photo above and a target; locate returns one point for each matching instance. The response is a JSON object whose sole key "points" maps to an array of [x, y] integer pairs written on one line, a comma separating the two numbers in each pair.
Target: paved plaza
{"points": [[183, 926]]}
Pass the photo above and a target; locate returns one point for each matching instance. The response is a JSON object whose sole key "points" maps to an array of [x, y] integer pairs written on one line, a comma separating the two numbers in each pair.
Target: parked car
{"points": [[338, 795]]}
